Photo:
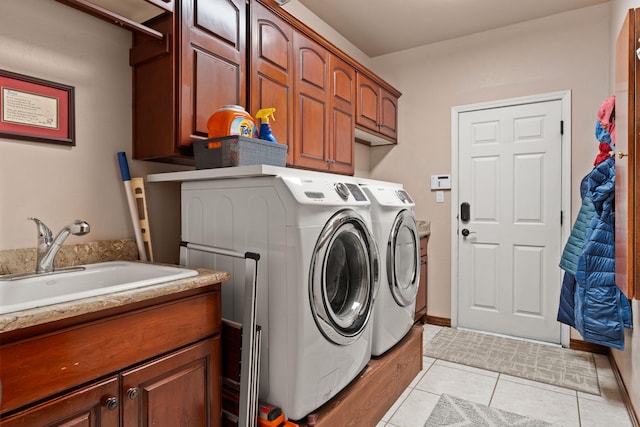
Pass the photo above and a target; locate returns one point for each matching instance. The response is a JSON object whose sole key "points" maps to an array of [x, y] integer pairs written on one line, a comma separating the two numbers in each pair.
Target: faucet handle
{"points": [[44, 233]]}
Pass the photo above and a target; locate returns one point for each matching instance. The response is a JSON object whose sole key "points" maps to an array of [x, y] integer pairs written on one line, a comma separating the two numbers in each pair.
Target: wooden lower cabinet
{"points": [[157, 363], [421, 296], [84, 407], [180, 389]]}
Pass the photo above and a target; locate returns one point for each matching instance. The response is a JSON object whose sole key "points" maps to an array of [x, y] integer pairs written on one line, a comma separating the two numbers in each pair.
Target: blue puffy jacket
{"points": [[601, 309], [575, 243], [571, 253]]}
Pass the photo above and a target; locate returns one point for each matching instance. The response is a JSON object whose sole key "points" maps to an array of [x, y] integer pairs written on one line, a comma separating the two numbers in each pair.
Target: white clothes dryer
{"points": [[317, 276], [396, 233]]}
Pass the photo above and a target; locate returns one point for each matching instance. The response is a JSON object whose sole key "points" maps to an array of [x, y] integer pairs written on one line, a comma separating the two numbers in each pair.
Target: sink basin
{"points": [[92, 280]]}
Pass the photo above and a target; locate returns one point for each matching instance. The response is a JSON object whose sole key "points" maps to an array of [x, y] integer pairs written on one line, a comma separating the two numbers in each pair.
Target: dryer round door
{"points": [[403, 259], [343, 277]]}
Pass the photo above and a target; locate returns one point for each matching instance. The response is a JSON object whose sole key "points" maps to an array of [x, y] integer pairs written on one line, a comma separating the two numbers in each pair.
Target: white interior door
{"points": [[510, 174]]}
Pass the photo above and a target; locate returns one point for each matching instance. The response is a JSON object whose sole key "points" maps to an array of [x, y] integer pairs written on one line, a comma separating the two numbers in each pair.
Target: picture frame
{"points": [[34, 109]]}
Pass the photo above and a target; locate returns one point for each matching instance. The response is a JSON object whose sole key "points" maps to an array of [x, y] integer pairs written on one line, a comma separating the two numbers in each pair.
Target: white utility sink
{"points": [[40, 290]]}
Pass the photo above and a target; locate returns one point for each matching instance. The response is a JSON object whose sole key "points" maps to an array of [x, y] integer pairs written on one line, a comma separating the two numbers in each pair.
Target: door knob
{"points": [[621, 155], [466, 232]]}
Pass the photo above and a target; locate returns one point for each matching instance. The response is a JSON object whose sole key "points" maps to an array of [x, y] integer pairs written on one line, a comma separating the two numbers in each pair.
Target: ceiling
{"points": [[378, 27]]}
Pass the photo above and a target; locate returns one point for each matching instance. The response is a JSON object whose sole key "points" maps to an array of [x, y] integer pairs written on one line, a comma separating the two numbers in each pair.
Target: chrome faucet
{"points": [[48, 247]]}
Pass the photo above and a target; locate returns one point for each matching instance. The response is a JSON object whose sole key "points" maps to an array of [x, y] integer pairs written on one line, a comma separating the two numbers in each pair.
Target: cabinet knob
{"points": [[133, 393], [112, 403]]}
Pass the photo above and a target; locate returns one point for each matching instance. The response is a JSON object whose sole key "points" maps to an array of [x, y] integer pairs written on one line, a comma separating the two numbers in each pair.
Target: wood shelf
{"points": [[365, 401]]}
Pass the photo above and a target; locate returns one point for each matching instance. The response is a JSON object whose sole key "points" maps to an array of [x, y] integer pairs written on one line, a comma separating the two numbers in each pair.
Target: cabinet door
{"points": [[90, 406], [212, 65], [388, 114], [180, 389], [272, 72], [154, 92], [343, 85], [311, 125], [368, 106]]}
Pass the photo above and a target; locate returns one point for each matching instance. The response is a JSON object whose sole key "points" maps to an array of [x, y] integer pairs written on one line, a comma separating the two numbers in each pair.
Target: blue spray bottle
{"points": [[265, 128]]}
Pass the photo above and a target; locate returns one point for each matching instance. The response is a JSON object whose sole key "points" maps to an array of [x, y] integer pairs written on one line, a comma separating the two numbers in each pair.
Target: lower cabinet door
{"points": [[95, 405], [181, 389]]}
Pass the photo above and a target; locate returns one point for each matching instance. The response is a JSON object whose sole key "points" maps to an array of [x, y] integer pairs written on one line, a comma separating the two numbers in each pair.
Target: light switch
{"points": [[440, 196]]}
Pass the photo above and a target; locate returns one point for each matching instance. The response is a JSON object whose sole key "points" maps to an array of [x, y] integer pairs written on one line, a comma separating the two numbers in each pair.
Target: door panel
{"points": [[528, 280], [510, 173], [486, 265]]}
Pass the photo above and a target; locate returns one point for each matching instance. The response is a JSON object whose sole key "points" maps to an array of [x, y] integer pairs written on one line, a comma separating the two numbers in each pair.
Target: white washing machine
{"points": [[396, 234], [317, 275]]}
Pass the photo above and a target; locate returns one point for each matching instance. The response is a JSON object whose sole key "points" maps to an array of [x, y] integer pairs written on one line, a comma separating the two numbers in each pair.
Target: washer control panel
{"points": [[317, 191]]}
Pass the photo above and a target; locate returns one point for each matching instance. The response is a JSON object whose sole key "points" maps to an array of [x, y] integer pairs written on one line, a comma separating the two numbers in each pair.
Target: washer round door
{"points": [[403, 259], [343, 277]]}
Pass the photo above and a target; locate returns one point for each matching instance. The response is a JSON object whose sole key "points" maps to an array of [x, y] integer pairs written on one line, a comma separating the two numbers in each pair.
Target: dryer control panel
{"points": [[323, 192], [389, 196]]}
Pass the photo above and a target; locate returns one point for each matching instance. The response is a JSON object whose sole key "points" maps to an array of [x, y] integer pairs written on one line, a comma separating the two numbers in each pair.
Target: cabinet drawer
{"points": [[43, 365]]}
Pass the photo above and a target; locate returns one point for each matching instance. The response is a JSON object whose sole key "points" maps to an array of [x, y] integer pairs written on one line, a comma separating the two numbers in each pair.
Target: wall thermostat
{"points": [[441, 182]]}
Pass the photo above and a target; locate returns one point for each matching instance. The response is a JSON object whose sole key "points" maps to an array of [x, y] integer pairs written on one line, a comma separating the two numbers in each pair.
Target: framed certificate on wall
{"points": [[33, 109]]}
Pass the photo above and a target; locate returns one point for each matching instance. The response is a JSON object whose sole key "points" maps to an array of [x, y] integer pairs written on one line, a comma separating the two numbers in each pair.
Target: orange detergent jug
{"points": [[231, 120]]}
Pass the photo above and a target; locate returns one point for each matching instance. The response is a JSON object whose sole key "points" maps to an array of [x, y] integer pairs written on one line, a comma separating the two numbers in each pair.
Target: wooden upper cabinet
{"points": [[388, 114], [376, 108], [368, 109], [271, 82], [320, 95], [213, 64], [324, 109], [343, 107], [202, 68], [311, 123]]}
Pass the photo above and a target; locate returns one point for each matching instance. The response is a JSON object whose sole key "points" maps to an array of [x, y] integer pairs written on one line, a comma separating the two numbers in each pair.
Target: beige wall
{"points": [[45, 39], [628, 364], [546, 55]]}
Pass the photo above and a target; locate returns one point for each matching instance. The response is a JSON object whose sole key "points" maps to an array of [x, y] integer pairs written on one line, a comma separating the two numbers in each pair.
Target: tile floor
{"points": [[548, 403]]}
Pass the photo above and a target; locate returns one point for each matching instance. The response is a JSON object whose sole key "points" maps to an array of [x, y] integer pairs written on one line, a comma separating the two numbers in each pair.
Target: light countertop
{"points": [[424, 228], [51, 313], [23, 260]]}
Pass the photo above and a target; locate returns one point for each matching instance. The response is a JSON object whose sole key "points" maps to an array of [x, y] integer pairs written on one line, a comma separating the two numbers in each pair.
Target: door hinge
{"points": [[561, 127]]}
